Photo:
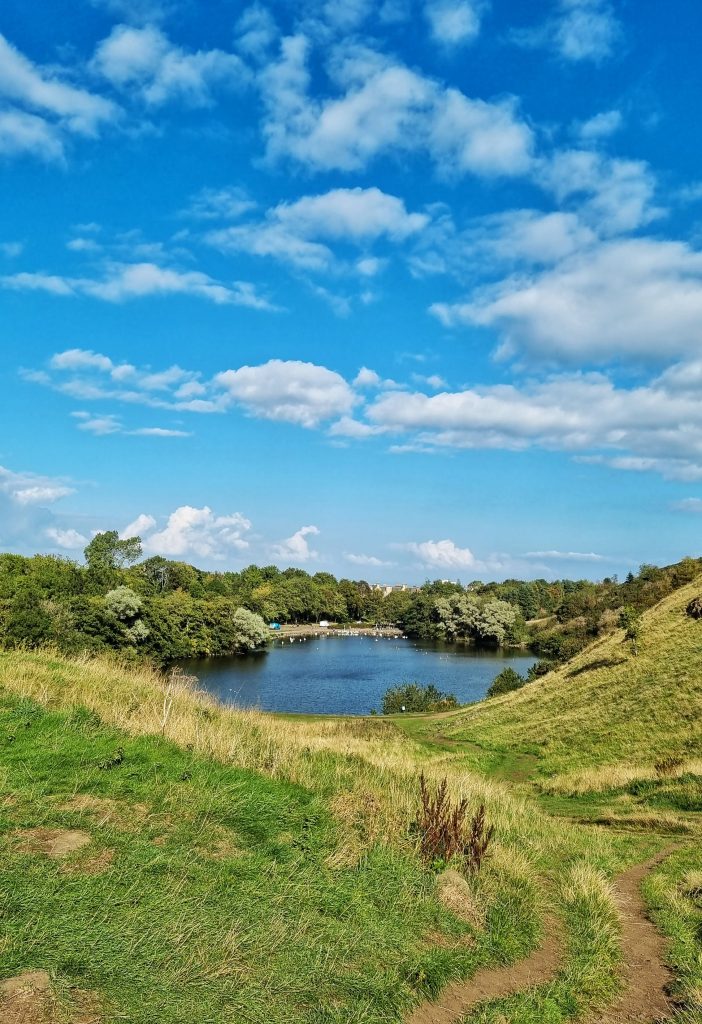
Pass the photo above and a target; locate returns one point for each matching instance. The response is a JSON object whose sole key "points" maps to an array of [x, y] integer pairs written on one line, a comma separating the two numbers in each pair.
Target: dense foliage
{"points": [[164, 609], [415, 697], [506, 681]]}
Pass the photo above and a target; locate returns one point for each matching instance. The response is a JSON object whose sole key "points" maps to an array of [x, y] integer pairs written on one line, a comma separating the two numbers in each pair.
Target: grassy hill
{"points": [[165, 857], [608, 714]]}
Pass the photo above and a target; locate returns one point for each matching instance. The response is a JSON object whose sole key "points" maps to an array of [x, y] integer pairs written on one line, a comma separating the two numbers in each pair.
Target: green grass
{"points": [[218, 903], [260, 868], [604, 707]]}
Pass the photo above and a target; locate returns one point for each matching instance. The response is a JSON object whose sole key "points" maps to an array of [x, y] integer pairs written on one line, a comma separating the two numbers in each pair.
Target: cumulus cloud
{"points": [[580, 30], [441, 554], [32, 488], [125, 281], [453, 22], [69, 539], [194, 532], [291, 232], [614, 301], [145, 60], [297, 549], [138, 527], [288, 390], [381, 106]]}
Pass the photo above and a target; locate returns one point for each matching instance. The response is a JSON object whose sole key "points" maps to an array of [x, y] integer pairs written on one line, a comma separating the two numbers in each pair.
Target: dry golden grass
{"points": [[614, 776], [367, 768]]}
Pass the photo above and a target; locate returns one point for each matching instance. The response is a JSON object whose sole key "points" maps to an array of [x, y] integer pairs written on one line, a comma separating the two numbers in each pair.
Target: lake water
{"points": [[348, 675]]}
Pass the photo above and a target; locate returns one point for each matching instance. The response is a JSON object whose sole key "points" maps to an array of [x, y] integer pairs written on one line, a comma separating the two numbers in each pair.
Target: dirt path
{"points": [[643, 999], [494, 983]]}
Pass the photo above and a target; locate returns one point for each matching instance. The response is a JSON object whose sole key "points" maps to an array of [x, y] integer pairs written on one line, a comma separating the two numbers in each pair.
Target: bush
{"points": [[505, 682], [415, 697]]}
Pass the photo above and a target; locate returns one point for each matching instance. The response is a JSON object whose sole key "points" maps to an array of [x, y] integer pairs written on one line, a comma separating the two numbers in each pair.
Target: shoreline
{"points": [[312, 630]]}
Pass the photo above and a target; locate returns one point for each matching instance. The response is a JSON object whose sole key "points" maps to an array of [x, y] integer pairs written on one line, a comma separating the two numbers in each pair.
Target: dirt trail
{"points": [[643, 998], [494, 983]]}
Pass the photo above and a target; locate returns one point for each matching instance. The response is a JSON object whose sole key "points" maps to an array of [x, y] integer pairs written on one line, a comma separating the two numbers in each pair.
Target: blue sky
{"points": [[396, 290]]}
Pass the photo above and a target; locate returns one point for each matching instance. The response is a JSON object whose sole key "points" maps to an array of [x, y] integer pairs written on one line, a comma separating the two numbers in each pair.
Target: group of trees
{"points": [[167, 609]]}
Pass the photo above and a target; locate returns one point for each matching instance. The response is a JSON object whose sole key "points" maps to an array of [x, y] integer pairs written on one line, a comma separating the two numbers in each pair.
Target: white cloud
{"points": [[689, 505], [652, 428], [138, 527], [69, 539], [288, 390], [256, 32], [565, 556], [581, 30], [228, 203], [291, 231], [296, 549], [195, 531], [585, 30], [144, 59], [99, 426], [41, 90], [383, 107], [366, 378], [441, 554], [123, 282], [31, 488], [612, 195], [26, 134], [453, 22], [11, 249], [370, 560], [617, 300], [601, 126]]}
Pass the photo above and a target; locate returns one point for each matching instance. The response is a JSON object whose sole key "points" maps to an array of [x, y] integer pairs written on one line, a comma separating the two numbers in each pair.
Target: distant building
{"points": [[394, 588]]}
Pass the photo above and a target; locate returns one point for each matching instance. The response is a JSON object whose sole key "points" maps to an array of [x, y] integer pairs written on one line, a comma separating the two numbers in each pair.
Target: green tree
{"points": [[630, 622], [506, 681], [414, 697], [109, 551]]}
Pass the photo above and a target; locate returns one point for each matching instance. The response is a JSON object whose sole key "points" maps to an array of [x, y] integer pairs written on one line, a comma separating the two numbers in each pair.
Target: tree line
{"points": [[167, 609]]}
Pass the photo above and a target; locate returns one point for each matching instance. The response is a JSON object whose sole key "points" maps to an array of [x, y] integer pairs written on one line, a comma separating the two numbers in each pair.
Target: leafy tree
{"points": [[630, 622], [506, 681], [252, 632], [108, 551], [123, 603]]}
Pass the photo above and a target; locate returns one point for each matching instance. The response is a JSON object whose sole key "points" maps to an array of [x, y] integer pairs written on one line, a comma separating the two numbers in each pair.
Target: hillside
{"points": [[605, 707], [166, 857]]}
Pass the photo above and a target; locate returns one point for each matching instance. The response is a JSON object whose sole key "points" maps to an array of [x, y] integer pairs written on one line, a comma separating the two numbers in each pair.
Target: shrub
{"points": [[415, 697], [444, 832], [505, 682], [694, 609]]}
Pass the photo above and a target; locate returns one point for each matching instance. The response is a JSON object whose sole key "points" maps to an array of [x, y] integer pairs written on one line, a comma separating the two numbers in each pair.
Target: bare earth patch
{"points": [[52, 842], [94, 865], [27, 999]]}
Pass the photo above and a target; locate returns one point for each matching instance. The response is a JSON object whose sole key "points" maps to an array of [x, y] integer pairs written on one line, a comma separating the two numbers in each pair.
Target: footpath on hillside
{"points": [[642, 1000]]}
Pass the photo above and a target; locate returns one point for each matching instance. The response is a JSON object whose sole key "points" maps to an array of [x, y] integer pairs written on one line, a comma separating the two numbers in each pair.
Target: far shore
{"points": [[312, 629]]}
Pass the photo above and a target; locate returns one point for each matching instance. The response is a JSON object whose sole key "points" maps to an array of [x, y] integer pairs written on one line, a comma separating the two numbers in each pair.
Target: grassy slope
{"points": [[261, 870], [604, 707], [268, 874]]}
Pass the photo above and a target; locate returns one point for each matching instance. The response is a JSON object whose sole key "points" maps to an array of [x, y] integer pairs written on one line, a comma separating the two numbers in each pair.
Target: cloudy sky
{"points": [[393, 289]]}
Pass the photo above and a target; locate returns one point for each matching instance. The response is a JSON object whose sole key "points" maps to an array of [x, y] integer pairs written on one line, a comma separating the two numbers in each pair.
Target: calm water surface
{"points": [[348, 675]]}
